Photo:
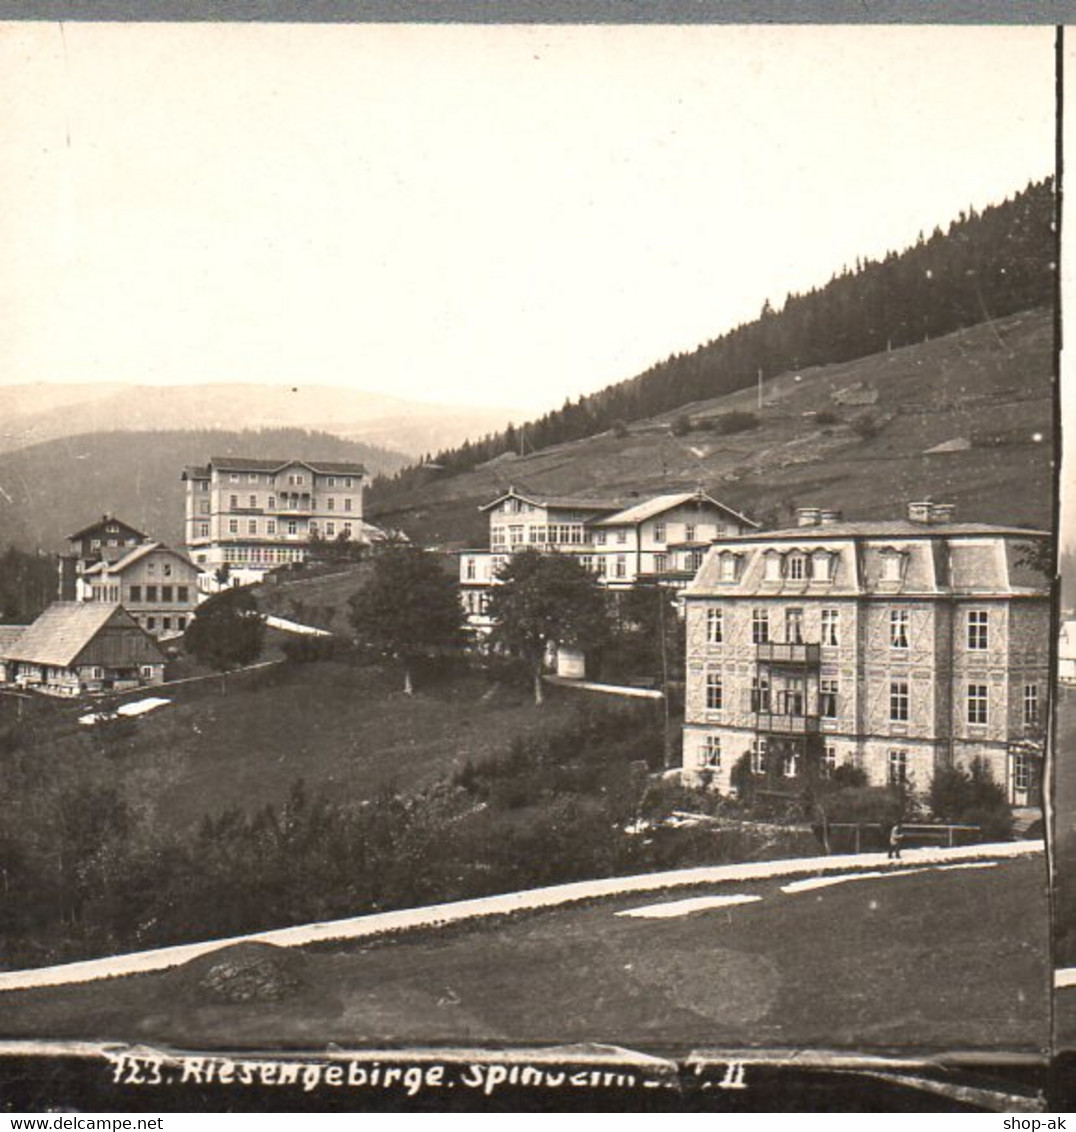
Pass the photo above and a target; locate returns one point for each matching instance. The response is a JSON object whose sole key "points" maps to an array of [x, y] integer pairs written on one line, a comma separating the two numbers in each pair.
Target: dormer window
{"points": [[729, 567], [772, 571], [797, 566], [822, 563], [892, 565]]}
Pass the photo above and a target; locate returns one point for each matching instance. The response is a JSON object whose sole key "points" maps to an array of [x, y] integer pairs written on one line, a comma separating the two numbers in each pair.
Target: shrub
{"points": [[970, 795], [866, 426], [827, 417], [620, 429], [681, 425], [735, 422], [307, 649]]}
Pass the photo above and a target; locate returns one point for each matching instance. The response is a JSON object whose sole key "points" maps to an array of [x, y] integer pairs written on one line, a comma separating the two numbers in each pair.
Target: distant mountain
{"points": [[32, 414], [49, 490], [965, 418]]}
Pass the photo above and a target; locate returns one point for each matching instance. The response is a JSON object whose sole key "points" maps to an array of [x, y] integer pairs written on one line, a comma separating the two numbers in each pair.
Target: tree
{"points": [[545, 600], [227, 630], [408, 607]]}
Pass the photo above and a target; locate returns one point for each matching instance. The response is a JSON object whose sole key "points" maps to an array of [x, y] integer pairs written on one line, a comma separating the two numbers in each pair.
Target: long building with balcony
{"points": [[660, 539], [896, 646], [252, 515]]}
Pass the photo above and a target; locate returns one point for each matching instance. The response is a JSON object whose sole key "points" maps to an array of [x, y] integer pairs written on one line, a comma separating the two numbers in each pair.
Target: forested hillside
{"points": [[987, 265]]}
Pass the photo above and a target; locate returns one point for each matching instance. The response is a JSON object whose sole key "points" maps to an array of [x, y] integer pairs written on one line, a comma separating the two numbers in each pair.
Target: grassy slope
{"points": [[996, 375], [343, 729], [929, 961]]}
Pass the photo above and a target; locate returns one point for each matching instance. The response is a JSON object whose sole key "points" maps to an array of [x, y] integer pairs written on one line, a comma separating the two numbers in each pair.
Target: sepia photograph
{"points": [[527, 565]]}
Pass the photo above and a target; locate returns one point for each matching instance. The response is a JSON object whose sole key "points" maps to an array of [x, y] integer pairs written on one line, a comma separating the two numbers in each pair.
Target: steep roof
{"points": [[104, 520], [659, 504], [249, 464], [567, 502], [9, 634], [64, 630], [134, 555], [891, 528]]}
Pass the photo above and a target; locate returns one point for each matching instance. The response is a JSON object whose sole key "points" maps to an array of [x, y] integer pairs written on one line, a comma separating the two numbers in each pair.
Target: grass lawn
{"points": [[344, 729], [928, 961]]}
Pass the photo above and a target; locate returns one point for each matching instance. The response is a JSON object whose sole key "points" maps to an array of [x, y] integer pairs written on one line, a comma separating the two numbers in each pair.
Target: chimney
{"points": [[829, 518], [930, 513], [808, 516]]}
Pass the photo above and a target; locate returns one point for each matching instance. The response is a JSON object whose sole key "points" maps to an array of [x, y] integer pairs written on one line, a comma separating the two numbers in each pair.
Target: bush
{"points": [[620, 429], [827, 417], [866, 426], [970, 795], [308, 649], [681, 425], [735, 422]]}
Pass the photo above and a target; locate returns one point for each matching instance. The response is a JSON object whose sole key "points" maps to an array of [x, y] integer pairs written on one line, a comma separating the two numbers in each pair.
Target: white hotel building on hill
{"points": [[659, 539], [252, 515]]}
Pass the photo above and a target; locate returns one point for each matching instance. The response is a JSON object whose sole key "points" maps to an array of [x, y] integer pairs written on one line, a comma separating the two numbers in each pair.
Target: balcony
{"points": [[798, 655], [777, 723]]}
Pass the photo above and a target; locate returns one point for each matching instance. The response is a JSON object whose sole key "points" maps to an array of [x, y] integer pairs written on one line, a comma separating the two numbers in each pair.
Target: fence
{"points": [[944, 833]]}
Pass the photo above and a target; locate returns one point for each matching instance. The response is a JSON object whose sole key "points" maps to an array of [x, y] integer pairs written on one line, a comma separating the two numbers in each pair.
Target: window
{"points": [[233, 501], [714, 691], [181, 622], [166, 569], [347, 481], [599, 538], [790, 697], [760, 694], [347, 503], [515, 535], [470, 569], [183, 593], [293, 527], [271, 503], [661, 563], [898, 701], [252, 526], [166, 593], [233, 477], [794, 626], [758, 756], [898, 628], [95, 544], [659, 532], [689, 532], [166, 623], [621, 566], [891, 567], [1021, 772], [898, 768], [822, 563], [151, 623], [134, 593], [693, 560], [347, 530], [828, 690], [203, 507], [728, 567], [831, 627], [797, 567], [233, 526], [760, 627], [715, 627], [253, 501], [331, 506], [829, 759], [791, 766], [330, 530], [622, 536], [710, 752], [203, 530], [773, 568], [252, 477], [1031, 705], [332, 481], [977, 703], [978, 621], [270, 526]]}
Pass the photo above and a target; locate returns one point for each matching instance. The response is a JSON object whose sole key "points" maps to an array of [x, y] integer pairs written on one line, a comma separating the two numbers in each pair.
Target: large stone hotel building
{"points": [[898, 646]]}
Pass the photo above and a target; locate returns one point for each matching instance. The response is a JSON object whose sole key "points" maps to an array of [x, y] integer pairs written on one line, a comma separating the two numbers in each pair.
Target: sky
{"points": [[474, 215]]}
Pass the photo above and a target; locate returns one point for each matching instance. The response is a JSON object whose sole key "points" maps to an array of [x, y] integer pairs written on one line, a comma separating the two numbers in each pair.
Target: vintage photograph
{"points": [[533, 540]]}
